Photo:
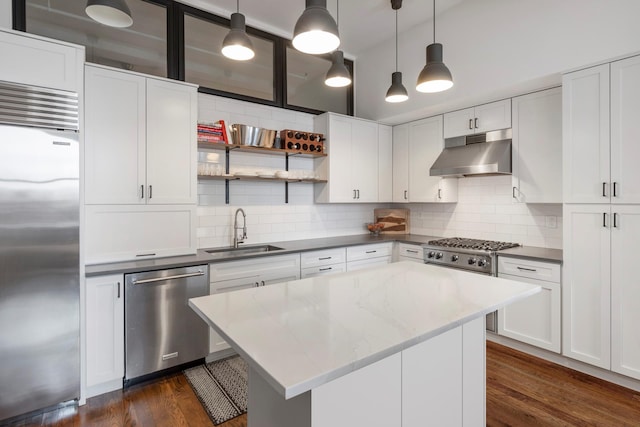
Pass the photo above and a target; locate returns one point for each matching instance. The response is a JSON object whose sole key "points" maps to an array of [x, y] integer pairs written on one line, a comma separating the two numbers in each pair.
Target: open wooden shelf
{"points": [[257, 178], [257, 150]]}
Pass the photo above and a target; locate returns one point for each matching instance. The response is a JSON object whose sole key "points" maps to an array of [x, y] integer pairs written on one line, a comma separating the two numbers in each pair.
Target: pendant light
{"points": [[435, 76], [237, 45], [114, 13], [316, 32], [397, 92], [338, 75]]}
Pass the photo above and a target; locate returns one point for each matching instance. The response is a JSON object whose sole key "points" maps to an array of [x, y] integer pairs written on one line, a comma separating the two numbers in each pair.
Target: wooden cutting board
{"points": [[396, 221]]}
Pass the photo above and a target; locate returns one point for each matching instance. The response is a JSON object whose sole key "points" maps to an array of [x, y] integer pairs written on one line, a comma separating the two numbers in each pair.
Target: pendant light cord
{"points": [[338, 14], [434, 21], [238, 5], [396, 40]]}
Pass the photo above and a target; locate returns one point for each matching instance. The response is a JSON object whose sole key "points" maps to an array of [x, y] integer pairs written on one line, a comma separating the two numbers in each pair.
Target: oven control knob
{"points": [[471, 261], [482, 263], [431, 254], [439, 255], [454, 258]]}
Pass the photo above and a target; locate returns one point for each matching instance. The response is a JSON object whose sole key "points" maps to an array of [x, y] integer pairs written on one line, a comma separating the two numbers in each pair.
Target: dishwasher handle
{"points": [[160, 279]]}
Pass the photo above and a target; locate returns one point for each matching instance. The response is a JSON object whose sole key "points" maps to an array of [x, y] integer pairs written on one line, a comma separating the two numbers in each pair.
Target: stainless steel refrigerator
{"points": [[39, 250]]}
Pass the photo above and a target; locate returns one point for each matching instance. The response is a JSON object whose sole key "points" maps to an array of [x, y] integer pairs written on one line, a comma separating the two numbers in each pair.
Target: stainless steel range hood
{"points": [[484, 154]]}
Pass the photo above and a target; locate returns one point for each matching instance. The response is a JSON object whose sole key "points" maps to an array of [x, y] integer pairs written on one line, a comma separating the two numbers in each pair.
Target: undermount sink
{"points": [[246, 250]]}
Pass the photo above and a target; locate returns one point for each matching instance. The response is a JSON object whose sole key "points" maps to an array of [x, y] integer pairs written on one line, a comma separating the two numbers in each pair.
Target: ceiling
{"points": [[363, 23]]}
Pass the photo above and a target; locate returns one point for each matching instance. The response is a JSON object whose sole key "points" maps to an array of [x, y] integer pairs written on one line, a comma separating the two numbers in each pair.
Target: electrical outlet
{"points": [[551, 221]]}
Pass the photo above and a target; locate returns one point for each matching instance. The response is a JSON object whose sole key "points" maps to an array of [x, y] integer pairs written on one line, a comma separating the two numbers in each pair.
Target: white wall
{"points": [[485, 211], [496, 49], [269, 218], [5, 14]]}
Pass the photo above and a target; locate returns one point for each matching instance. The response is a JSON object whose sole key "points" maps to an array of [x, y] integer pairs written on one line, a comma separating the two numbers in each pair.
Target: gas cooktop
{"points": [[474, 244]]}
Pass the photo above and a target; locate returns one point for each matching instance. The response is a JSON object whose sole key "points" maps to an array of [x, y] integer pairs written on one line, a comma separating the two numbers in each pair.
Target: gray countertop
{"points": [[533, 252], [293, 246]]}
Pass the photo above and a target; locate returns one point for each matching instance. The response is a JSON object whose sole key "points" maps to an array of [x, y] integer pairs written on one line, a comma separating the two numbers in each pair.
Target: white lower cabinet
{"points": [[235, 275], [625, 291], [104, 333], [320, 263], [366, 256], [535, 320]]}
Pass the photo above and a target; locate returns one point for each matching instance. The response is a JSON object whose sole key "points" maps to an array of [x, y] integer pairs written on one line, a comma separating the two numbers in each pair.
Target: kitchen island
{"points": [[398, 345]]}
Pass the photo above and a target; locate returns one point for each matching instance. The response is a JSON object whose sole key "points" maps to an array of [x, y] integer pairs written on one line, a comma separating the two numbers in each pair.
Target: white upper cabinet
{"points": [[425, 145], [537, 147], [172, 112], [351, 166], [37, 61], [140, 139], [585, 117], [479, 119], [625, 131], [385, 163], [401, 163], [115, 137]]}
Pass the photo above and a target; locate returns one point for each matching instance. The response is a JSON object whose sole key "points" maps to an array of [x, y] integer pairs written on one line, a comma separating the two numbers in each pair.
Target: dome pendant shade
{"points": [[338, 75], [316, 31], [435, 76], [397, 92], [114, 13], [236, 44]]}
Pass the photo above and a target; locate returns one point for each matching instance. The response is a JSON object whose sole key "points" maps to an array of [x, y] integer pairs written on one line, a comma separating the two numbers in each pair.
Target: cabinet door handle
{"points": [[354, 194], [405, 194], [604, 219], [470, 123], [323, 258], [257, 284], [411, 251], [439, 193], [150, 191], [527, 269], [262, 283], [371, 252], [615, 189], [615, 220], [604, 189], [142, 191], [325, 269], [118, 290], [358, 194], [513, 192], [475, 123]]}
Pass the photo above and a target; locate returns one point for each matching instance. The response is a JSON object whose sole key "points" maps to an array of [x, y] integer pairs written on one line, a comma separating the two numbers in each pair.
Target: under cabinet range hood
{"points": [[483, 154]]}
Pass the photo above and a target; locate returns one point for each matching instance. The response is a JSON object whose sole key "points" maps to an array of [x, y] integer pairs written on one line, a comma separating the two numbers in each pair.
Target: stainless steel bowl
{"points": [[252, 135]]}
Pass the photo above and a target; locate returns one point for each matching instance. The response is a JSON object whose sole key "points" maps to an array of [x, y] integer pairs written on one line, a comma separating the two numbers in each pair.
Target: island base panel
{"points": [[437, 382]]}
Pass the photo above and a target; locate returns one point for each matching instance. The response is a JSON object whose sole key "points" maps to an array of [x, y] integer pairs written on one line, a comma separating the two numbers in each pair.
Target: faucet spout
{"points": [[237, 240]]}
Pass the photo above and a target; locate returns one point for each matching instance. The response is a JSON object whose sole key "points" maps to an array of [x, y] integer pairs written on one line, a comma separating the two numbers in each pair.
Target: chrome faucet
{"points": [[237, 241]]}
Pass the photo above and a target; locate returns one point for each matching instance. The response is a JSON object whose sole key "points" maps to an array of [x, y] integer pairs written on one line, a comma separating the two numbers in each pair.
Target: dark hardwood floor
{"points": [[521, 391]]}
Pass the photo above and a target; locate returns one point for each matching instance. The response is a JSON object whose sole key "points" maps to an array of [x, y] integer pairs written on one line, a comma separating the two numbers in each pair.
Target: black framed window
{"points": [[170, 39], [141, 47]]}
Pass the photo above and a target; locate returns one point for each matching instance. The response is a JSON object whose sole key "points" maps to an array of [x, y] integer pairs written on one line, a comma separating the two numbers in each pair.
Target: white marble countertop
{"points": [[301, 334]]}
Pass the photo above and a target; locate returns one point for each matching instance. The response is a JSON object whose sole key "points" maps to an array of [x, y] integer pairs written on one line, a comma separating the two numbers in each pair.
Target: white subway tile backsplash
{"points": [[485, 208]]}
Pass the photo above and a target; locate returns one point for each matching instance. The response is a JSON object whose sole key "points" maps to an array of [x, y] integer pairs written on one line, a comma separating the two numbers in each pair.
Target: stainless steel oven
{"points": [[473, 255]]}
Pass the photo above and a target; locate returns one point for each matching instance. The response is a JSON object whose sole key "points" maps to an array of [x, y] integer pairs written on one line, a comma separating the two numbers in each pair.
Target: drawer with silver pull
{"points": [[324, 257], [539, 270], [355, 253], [411, 251]]}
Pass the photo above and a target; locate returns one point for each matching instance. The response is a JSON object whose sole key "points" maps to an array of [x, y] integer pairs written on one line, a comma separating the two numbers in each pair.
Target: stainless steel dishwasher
{"points": [[161, 330]]}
